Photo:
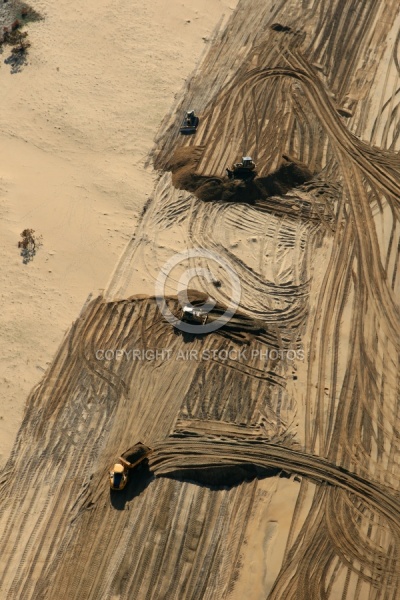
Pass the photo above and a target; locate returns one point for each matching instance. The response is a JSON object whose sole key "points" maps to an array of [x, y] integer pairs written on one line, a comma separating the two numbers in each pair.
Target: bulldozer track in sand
{"points": [[318, 266], [180, 455]]}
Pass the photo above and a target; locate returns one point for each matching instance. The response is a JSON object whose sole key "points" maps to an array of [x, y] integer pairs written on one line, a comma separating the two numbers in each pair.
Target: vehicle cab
{"points": [[118, 477], [243, 170], [189, 123]]}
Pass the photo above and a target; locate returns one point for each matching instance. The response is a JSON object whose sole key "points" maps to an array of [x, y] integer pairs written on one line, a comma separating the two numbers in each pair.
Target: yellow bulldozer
{"points": [[130, 459]]}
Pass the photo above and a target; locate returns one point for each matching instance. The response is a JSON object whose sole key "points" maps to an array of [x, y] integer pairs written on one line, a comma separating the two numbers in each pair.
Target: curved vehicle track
{"points": [[187, 455], [318, 265]]}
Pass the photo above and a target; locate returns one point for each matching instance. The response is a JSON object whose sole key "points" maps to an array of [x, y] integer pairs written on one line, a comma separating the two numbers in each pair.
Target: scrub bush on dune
{"points": [[29, 244]]}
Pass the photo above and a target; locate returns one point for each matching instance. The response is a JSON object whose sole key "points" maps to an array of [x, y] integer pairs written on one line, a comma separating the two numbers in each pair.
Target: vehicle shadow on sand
{"points": [[137, 483], [218, 477]]}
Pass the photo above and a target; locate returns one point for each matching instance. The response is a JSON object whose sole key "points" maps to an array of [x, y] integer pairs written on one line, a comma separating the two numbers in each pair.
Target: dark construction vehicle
{"points": [[189, 123], [245, 170]]}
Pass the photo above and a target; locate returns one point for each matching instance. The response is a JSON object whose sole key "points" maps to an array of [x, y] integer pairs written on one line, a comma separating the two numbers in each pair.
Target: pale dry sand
{"points": [[76, 126]]}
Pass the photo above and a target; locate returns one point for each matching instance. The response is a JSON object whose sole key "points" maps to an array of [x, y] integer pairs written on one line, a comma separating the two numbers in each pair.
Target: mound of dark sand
{"points": [[183, 164]]}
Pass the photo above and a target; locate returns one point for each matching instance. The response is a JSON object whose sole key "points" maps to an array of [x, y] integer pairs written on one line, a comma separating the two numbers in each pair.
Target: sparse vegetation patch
{"points": [[13, 16], [29, 244]]}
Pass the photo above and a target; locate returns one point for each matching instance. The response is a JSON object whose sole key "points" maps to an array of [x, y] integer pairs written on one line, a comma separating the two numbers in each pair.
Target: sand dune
{"points": [[76, 125]]}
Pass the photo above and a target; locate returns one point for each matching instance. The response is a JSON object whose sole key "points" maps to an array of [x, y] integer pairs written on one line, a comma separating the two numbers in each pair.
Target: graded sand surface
{"points": [[274, 470], [76, 125]]}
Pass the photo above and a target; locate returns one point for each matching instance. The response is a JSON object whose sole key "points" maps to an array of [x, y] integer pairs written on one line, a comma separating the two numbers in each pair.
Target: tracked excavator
{"points": [[119, 474]]}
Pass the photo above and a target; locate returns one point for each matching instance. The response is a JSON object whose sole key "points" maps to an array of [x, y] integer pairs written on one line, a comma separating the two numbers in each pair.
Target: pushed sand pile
{"points": [[290, 174]]}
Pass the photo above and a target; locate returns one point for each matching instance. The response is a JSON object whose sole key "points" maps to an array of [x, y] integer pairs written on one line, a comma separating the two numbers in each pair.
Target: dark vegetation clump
{"points": [[29, 245], [290, 174], [13, 16], [29, 14]]}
